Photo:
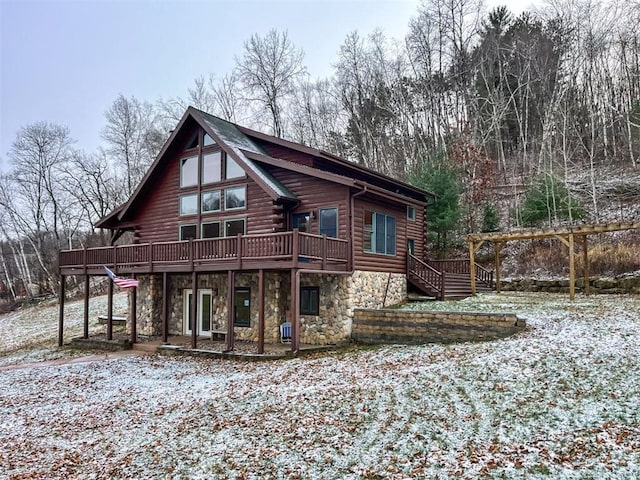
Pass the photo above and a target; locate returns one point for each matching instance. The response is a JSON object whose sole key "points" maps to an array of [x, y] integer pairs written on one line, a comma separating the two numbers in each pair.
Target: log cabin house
{"points": [[237, 231]]}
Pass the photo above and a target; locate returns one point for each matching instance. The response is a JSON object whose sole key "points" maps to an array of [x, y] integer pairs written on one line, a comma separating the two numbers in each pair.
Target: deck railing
{"points": [[427, 274], [294, 246], [462, 266]]}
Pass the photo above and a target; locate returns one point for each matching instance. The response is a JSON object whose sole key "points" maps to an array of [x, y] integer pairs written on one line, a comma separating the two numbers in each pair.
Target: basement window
{"points": [[310, 301]]}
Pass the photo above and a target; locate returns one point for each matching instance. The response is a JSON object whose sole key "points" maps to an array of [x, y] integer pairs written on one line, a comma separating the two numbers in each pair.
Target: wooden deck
{"points": [[284, 250]]}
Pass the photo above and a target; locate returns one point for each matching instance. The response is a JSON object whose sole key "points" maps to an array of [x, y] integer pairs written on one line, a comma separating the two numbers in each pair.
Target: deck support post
{"points": [[85, 323], [165, 308], [295, 312], [110, 311], [231, 287], [261, 311], [193, 318], [133, 312], [497, 246], [61, 310]]}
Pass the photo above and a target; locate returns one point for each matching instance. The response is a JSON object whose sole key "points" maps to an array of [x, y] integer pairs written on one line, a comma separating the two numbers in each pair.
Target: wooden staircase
{"points": [[447, 279]]}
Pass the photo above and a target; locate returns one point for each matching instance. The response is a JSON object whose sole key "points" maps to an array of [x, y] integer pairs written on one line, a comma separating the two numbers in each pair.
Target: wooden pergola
{"points": [[567, 235]]}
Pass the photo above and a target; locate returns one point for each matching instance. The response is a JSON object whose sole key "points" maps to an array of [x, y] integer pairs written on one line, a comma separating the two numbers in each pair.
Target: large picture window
{"points": [[211, 167], [379, 233], [309, 301], [329, 222], [232, 169], [189, 204], [189, 172]]}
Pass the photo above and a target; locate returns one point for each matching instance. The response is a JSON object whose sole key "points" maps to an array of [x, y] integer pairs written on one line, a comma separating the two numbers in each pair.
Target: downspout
{"points": [[353, 223]]}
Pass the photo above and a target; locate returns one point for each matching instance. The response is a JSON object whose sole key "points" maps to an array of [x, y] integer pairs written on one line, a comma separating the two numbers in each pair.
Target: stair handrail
{"points": [[461, 266], [425, 272]]}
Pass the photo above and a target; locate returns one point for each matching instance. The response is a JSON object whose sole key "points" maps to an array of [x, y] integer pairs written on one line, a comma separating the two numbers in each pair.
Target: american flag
{"points": [[121, 282]]}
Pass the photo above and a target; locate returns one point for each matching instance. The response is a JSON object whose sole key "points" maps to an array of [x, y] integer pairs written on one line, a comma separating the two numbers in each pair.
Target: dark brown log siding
{"points": [[375, 262], [314, 194]]}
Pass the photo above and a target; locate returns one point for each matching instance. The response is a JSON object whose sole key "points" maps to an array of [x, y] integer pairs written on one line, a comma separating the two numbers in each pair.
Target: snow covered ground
{"points": [[560, 400]]}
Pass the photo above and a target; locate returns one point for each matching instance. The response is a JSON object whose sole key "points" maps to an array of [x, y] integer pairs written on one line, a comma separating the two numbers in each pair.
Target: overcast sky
{"points": [[66, 61]]}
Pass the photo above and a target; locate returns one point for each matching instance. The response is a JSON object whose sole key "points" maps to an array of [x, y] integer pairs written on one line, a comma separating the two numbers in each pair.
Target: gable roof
{"points": [[231, 141], [243, 146]]}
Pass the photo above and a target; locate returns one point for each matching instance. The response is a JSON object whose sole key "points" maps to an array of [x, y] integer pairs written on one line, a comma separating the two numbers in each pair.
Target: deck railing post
{"points": [[295, 247], [324, 251], [442, 283], [150, 257], [239, 250]]}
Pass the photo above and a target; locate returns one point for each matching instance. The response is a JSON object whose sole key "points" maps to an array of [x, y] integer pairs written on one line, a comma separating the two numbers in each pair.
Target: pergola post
{"points": [[472, 266], [260, 311], [497, 246], [585, 263]]}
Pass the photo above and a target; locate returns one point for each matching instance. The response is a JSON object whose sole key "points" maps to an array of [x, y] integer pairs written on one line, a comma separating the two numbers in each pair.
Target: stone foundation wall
{"points": [[398, 326], [340, 295], [623, 284], [377, 290]]}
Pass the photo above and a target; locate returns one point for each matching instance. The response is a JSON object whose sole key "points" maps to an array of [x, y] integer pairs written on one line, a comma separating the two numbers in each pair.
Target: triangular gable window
{"points": [[208, 141], [193, 142]]}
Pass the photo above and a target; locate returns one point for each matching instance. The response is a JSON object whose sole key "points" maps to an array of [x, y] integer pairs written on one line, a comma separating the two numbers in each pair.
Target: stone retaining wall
{"points": [[623, 284], [401, 326]]}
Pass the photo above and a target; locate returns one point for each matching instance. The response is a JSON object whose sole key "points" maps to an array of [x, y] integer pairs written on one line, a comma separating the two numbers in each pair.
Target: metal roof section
{"points": [[236, 141]]}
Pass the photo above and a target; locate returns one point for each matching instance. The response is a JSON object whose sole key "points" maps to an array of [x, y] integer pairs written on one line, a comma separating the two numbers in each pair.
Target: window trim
{"points": [[202, 169], [411, 216], [189, 214], [181, 226], [337, 220], [209, 223], [310, 291], [235, 187], [227, 220], [373, 233], [183, 160], [203, 193]]}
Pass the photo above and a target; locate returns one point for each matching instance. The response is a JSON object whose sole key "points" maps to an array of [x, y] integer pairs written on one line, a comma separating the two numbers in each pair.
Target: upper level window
{"points": [[189, 172], [329, 222], [189, 204], [193, 142], [232, 169], [411, 213], [187, 232], [211, 167], [210, 201], [210, 230], [233, 227], [208, 141], [379, 234], [235, 198]]}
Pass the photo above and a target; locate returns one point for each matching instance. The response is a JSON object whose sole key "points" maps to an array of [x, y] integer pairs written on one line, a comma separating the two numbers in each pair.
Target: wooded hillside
{"points": [[530, 119]]}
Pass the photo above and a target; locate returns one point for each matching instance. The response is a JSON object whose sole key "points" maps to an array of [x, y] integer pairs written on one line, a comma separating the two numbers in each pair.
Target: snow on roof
{"points": [[237, 141]]}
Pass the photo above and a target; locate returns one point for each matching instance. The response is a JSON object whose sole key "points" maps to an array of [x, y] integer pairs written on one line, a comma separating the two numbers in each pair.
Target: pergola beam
{"points": [[566, 235]]}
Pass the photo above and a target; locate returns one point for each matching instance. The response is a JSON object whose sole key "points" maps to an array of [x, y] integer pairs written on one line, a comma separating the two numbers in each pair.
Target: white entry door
{"points": [[204, 312]]}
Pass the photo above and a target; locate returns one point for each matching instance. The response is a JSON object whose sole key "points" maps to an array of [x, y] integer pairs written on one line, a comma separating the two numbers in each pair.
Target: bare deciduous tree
{"points": [[269, 69]]}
